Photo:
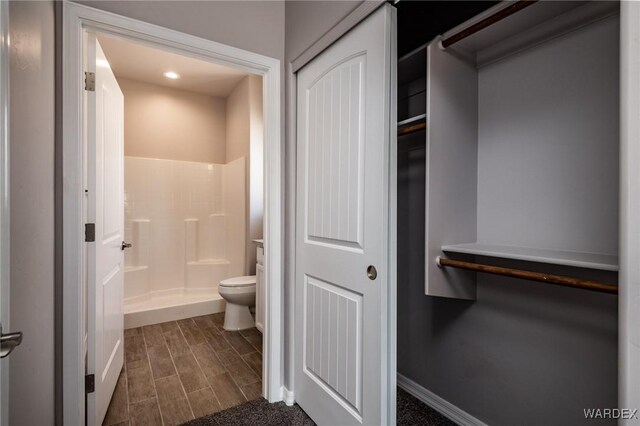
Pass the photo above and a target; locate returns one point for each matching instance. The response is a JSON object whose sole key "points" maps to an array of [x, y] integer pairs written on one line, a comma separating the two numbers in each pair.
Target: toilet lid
{"points": [[239, 281]]}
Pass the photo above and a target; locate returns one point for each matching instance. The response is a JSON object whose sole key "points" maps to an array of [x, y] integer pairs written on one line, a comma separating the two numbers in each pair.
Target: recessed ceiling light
{"points": [[172, 75]]}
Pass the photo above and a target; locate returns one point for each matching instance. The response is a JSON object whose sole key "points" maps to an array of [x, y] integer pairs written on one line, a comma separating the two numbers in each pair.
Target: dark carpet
{"points": [[411, 411], [256, 413], [260, 413]]}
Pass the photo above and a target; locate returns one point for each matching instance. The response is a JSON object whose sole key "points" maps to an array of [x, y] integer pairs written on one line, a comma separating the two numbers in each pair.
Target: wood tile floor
{"points": [[180, 370]]}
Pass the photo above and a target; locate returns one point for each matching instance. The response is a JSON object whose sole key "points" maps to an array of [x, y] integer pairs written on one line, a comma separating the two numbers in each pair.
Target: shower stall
{"points": [[187, 224]]}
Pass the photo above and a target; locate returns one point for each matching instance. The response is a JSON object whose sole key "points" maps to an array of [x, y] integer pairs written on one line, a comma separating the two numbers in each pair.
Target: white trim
{"points": [[4, 202], [288, 396], [629, 276], [392, 299], [77, 19], [273, 235], [341, 28], [290, 226], [439, 404]]}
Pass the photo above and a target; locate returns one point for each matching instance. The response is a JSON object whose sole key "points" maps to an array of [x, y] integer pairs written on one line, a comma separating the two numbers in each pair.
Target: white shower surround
{"points": [[186, 221]]}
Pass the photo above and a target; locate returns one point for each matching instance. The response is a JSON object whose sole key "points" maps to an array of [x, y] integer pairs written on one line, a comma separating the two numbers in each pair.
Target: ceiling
{"points": [[146, 64]]}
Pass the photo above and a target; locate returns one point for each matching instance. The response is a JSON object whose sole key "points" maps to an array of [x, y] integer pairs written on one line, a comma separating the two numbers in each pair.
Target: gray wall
{"points": [[523, 353], [32, 203], [307, 21]]}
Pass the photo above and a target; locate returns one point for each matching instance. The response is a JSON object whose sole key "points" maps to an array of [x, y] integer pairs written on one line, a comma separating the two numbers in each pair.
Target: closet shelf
{"points": [[513, 7], [603, 262], [421, 117], [412, 125]]}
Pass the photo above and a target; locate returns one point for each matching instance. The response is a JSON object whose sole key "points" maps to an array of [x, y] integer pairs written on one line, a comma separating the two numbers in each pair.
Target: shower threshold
{"points": [[171, 306]]}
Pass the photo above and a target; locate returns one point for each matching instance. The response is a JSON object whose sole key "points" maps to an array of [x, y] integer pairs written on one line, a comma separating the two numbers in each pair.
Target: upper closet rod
{"points": [[489, 20], [528, 275]]}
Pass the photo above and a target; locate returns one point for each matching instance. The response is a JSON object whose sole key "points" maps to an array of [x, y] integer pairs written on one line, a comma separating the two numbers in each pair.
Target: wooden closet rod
{"points": [[407, 130], [489, 20], [528, 275]]}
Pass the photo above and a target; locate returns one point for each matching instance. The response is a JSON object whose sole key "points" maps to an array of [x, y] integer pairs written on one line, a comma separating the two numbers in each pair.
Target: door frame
{"points": [[76, 20], [4, 203], [629, 274]]}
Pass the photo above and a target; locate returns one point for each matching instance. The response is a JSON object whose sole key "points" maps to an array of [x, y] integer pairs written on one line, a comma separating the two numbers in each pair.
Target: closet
{"points": [[508, 182], [519, 107]]}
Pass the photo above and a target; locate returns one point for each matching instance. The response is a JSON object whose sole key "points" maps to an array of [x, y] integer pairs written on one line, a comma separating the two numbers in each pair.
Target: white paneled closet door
{"points": [[345, 206]]}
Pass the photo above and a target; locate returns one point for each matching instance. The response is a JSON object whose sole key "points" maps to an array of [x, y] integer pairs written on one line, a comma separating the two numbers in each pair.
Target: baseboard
{"points": [[441, 405], [287, 396]]}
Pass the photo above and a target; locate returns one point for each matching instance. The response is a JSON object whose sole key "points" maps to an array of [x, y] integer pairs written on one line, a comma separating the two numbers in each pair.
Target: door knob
{"points": [[372, 273], [126, 245], [8, 342]]}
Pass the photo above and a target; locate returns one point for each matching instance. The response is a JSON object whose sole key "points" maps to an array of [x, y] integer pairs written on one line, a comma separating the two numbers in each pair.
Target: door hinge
{"points": [[90, 81], [89, 232], [89, 383]]}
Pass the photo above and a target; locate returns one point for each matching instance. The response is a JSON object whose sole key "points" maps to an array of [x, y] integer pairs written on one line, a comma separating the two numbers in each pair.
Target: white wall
{"points": [[163, 122], [245, 133], [235, 214], [238, 122], [255, 208], [32, 204]]}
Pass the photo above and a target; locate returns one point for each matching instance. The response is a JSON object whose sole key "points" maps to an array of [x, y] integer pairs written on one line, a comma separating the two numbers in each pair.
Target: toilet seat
{"points": [[235, 282]]}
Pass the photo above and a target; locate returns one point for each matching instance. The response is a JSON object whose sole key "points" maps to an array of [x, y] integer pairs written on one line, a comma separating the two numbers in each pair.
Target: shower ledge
{"points": [[209, 262], [135, 268]]}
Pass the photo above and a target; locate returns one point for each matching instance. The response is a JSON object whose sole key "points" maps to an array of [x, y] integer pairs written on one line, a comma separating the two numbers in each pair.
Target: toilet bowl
{"points": [[240, 293]]}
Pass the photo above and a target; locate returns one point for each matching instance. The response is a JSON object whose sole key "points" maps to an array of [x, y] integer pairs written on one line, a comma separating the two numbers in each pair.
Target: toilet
{"points": [[240, 293]]}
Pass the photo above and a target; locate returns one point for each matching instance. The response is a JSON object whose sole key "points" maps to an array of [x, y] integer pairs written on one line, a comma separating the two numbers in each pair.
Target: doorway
{"points": [[79, 22], [192, 167]]}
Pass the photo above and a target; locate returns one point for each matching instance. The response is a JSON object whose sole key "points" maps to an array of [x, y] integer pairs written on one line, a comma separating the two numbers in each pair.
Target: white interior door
{"points": [[345, 163], [105, 208]]}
